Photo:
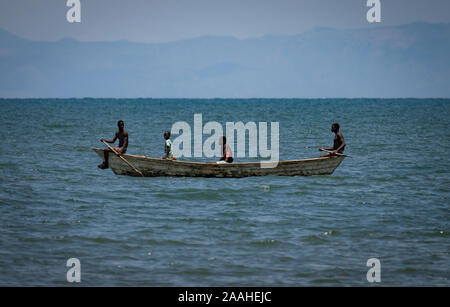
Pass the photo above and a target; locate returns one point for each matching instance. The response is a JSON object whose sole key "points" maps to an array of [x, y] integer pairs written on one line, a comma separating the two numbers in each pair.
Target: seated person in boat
{"points": [[168, 147], [122, 135], [226, 151], [339, 142]]}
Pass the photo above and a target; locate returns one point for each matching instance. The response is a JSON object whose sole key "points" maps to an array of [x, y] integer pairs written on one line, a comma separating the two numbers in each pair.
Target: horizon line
{"points": [[219, 98]]}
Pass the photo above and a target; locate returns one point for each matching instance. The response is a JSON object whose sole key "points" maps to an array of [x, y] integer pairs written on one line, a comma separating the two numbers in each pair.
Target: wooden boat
{"points": [[153, 167]]}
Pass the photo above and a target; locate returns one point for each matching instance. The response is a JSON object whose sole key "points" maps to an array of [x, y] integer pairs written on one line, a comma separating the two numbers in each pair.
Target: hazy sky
{"points": [[168, 20]]}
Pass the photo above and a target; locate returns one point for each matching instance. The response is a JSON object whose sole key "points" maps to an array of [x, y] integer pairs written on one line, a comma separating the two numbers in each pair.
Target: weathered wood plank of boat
{"points": [[154, 167]]}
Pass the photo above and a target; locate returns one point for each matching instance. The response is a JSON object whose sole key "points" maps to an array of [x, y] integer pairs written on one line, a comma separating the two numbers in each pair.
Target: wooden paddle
{"points": [[336, 153], [125, 160]]}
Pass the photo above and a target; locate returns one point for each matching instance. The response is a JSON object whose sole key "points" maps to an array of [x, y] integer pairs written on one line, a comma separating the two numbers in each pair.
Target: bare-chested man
{"points": [[122, 135], [338, 144]]}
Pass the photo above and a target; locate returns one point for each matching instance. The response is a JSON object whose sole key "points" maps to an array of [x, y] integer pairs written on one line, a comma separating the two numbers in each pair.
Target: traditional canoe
{"points": [[154, 167]]}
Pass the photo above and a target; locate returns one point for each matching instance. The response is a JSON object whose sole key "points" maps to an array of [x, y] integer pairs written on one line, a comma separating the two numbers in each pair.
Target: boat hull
{"points": [[154, 167]]}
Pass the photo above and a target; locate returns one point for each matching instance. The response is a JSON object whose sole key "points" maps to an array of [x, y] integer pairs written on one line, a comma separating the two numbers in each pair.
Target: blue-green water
{"points": [[389, 201]]}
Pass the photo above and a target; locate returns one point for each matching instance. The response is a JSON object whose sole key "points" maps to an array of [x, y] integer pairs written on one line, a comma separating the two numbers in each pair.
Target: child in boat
{"points": [[168, 146], [226, 151]]}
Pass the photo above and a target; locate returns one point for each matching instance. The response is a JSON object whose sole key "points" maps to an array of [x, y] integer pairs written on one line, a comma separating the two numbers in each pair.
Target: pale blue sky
{"points": [[169, 20]]}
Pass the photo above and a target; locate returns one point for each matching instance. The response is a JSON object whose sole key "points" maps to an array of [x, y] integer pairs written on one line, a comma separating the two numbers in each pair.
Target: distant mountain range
{"points": [[402, 61]]}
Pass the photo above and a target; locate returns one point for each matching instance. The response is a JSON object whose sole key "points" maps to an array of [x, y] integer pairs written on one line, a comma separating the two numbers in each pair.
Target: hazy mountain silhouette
{"points": [[401, 61]]}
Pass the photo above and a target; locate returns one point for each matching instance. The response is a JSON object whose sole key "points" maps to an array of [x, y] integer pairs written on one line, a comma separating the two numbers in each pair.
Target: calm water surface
{"points": [[389, 201]]}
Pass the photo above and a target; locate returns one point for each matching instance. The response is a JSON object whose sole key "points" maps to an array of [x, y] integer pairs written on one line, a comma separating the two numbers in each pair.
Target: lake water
{"points": [[389, 201]]}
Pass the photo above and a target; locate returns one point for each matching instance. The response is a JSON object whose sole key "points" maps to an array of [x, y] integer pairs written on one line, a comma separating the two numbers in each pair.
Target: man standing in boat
{"points": [[122, 135], [338, 144]]}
